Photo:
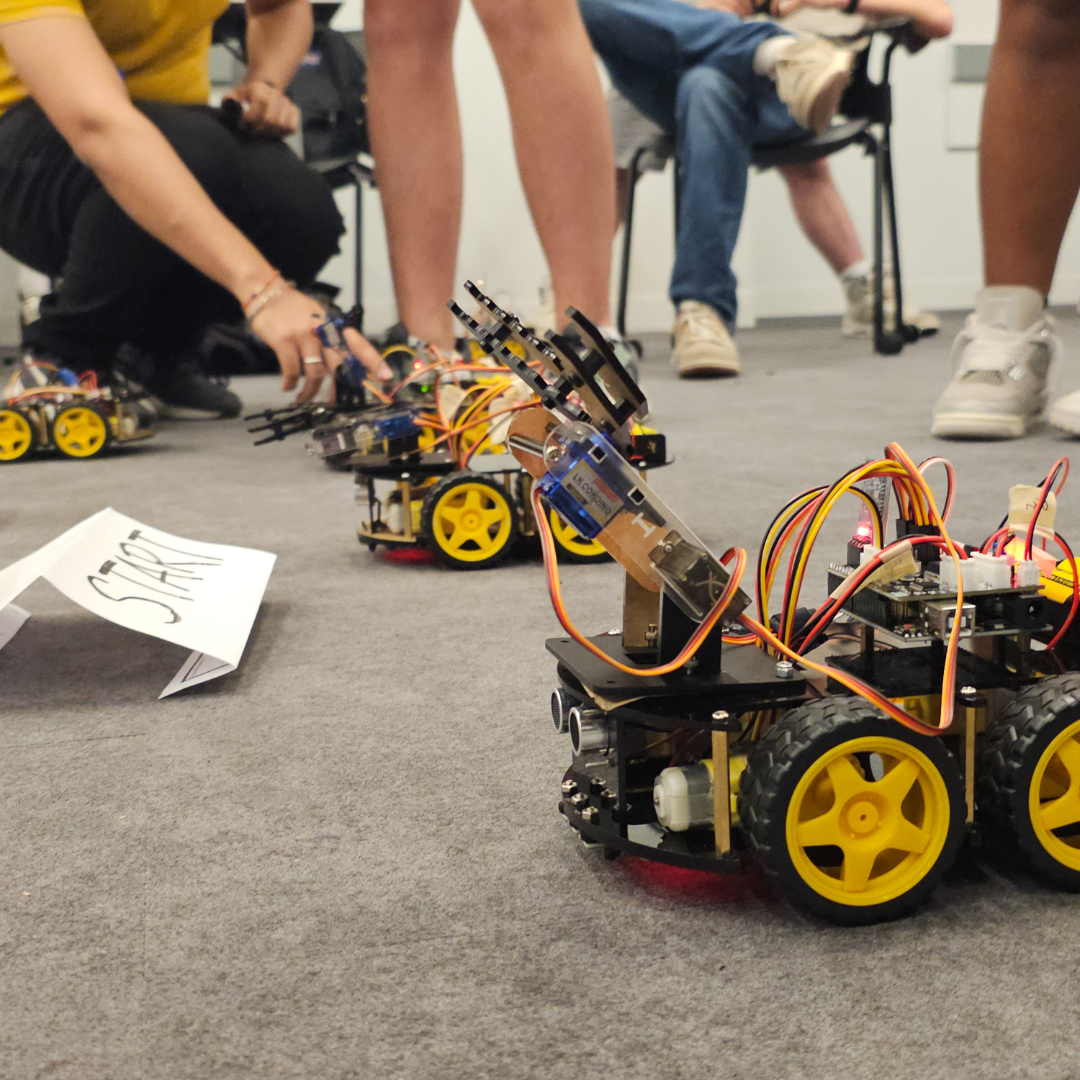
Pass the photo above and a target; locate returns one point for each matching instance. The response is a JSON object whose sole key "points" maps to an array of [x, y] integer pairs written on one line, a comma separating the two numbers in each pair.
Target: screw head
{"points": [[785, 669], [721, 714], [968, 691], [569, 787]]}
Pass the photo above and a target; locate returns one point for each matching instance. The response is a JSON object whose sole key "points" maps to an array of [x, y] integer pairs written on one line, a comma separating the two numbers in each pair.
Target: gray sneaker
{"points": [[858, 320], [999, 388], [703, 347]]}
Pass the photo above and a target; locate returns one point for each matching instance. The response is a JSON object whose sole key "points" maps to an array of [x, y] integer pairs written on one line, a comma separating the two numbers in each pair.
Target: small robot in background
{"points": [[848, 748], [49, 408], [467, 497]]}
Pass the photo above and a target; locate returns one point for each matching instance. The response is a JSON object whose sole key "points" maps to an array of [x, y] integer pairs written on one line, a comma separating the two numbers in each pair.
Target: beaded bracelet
{"points": [[273, 294], [258, 292]]}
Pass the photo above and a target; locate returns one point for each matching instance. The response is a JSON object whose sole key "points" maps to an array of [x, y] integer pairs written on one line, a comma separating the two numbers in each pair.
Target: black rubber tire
{"points": [[1011, 749], [427, 515], [779, 761]]}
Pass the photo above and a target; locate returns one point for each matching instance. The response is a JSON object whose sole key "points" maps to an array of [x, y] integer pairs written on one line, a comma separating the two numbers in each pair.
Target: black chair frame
{"points": [[868, 105]]}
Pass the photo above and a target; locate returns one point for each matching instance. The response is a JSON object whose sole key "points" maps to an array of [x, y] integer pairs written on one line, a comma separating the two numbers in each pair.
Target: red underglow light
{"points": [[680, 881], [415, 555]]}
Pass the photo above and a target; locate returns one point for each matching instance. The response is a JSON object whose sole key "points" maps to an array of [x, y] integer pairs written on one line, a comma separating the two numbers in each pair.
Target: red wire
{"points": [[1061, 463]]}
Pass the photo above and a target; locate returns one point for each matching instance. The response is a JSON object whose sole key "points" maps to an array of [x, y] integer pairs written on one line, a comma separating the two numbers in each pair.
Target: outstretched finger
{"points": [[315, 366], [289, 361], [367, 354]]}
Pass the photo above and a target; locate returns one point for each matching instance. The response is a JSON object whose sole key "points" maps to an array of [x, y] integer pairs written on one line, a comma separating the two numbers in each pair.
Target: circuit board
{"points": [[916, 610]]}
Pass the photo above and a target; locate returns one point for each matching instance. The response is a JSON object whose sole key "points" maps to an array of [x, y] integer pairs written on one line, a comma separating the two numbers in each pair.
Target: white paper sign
{"points": [[203, 596]]}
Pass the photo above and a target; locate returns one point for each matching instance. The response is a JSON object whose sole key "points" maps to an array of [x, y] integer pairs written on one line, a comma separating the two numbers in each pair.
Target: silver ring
{"points": [[313, 360]]}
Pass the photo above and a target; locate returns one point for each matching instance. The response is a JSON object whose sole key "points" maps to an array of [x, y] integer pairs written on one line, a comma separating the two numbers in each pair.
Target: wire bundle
{"points": [[52, 385]]}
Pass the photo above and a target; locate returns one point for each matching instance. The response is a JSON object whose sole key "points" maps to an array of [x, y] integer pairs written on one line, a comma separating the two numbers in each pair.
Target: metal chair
{"points": [[867, 105]]}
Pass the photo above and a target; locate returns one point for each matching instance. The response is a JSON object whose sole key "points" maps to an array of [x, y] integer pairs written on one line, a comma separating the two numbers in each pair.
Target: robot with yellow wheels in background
{"points": [[850, 748], [50, 408], [469, 500]]}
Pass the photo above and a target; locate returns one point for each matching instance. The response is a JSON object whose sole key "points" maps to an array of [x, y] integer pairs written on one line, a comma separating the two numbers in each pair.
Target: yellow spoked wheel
{"points": [[470, 521], [80, 431], [1029, 778], [16, 435], [856, 817], [572, 545], [470, 437]]}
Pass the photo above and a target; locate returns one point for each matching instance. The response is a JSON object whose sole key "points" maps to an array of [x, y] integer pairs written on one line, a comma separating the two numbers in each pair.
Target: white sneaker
{"points": [[858, 320], [811, 76], [703, 347], [999, 388]]}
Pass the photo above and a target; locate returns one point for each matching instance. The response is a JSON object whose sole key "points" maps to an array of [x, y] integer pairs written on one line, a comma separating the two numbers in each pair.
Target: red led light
{"points": [[408, 555], [679, 881]]}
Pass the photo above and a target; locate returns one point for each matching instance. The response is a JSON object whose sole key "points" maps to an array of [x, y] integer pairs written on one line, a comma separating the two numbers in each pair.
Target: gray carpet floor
{"points": [[345, 861]]}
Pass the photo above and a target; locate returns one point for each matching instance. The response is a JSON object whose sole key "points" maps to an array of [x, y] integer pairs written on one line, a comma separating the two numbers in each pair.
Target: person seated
{"points": [[819, 209], [1029, 174], [722, 86], [159, 215]]}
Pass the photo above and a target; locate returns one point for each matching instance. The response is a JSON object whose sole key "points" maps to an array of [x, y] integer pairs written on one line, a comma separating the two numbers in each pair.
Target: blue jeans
{"points": [[691, 71]]}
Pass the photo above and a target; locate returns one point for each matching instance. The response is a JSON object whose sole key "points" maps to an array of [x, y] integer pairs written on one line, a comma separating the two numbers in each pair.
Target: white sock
{"points": [[855, 271], [769, 51], [1009, 307]]}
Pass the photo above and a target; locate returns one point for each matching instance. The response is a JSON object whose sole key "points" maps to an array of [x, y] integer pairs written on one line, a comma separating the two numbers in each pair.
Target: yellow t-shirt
{"points": [[159, 46]]}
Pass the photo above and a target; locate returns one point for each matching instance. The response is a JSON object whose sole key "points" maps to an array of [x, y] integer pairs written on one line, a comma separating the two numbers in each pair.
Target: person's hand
{"points": [[743, 8], [287, 323], [267, 111]]}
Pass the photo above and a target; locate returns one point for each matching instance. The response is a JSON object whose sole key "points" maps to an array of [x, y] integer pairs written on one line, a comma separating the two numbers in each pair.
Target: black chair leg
{"points": [[628, 234], [358, 252], [886, 342], [907, 332]]}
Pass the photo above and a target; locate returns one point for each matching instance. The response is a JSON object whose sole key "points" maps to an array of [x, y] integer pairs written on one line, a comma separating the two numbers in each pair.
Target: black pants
{"points": [[119, 284]]}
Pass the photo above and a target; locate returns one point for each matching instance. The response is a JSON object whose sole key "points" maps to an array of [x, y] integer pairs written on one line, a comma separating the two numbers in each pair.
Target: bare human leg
{"points": [[563, 142], [416, 143], [1029, 160], [822, 214]]}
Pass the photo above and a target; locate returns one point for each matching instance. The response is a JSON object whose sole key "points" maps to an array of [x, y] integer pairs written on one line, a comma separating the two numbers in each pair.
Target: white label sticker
{"points": [[601, 502]]}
